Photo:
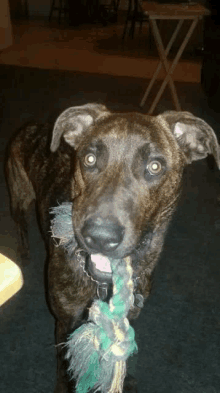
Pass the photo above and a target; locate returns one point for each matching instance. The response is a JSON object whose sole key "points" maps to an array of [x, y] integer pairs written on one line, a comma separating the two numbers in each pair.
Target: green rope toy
{"points": [[97, 351]]}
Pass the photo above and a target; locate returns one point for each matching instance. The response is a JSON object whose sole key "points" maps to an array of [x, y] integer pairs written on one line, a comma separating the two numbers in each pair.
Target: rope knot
{"points": [[97, 351]]}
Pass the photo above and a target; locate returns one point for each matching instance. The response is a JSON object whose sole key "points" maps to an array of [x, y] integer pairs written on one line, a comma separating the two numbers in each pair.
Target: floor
{"points": [[89, 48]]}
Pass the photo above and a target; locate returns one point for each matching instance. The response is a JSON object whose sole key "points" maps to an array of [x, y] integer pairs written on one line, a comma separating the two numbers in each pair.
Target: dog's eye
{"points": [[154, 167], [90, 159]]}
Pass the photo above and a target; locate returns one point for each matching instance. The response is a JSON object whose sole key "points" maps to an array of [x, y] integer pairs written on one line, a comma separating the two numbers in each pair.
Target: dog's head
{"points": [[128, 172]]}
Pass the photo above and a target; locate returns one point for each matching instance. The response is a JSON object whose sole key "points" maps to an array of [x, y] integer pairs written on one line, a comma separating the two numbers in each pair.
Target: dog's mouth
{"points": [[98, 267]]}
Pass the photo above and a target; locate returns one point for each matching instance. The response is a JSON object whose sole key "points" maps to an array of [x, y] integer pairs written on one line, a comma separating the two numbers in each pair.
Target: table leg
{"points": [[165, 63], [174, 35], [171, 69]]}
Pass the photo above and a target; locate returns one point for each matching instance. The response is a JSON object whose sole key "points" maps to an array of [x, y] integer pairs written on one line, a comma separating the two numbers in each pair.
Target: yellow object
{"points": [[11, 279]]}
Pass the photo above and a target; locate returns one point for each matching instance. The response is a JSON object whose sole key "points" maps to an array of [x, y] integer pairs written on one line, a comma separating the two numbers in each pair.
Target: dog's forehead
{"points": [[133, 130], [124, 125]]}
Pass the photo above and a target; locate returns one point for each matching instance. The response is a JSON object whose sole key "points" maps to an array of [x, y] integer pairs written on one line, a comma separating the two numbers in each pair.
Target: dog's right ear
{"points": [[75, 120], [194, 136]]}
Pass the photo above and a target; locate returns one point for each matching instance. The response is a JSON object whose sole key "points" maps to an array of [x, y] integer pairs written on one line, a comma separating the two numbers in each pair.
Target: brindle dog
{"points": [[122, 172]]}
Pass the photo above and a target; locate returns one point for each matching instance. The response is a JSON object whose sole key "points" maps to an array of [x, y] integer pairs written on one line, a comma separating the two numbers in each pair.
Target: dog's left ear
{"points": [[74, 121], [194, 136]]}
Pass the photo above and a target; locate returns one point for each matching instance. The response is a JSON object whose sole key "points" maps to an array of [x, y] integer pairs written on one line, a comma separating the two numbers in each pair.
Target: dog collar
{"points": [[104, 288], [104, 291]]}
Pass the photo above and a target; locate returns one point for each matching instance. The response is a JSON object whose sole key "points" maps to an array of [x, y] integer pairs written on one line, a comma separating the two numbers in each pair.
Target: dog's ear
{"points": [[74, 121], [194, 136]]}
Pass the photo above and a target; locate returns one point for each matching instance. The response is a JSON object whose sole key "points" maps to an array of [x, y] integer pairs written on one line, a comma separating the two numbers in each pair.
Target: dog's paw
{"points": [[130, 385]]}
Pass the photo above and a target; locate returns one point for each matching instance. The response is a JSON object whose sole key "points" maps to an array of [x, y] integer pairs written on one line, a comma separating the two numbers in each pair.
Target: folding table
{"points": [[179, 12]]}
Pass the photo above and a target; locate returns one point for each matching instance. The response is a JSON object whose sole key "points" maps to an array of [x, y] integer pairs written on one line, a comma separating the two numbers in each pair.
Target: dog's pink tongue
{"points": [[101, 263]]}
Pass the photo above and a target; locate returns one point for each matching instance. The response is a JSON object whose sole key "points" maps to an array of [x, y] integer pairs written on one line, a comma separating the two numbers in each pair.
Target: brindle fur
{"points": [[46, 165]]}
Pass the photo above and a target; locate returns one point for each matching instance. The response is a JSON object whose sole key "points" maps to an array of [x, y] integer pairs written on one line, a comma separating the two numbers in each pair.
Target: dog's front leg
{"points": [[70, 294], [63, 328], [62, 377]]}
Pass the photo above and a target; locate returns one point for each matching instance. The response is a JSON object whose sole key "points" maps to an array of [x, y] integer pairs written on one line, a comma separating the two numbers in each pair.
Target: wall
{"points": [[42, 7], [6, 38], [39, 7]]}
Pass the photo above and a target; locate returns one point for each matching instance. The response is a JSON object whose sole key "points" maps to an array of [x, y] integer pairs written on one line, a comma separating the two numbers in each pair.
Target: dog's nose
{"points": [[102, 234]]}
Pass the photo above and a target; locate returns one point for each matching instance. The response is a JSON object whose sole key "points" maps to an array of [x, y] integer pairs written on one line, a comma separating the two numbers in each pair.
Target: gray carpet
{"points": [[178, 332]]}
